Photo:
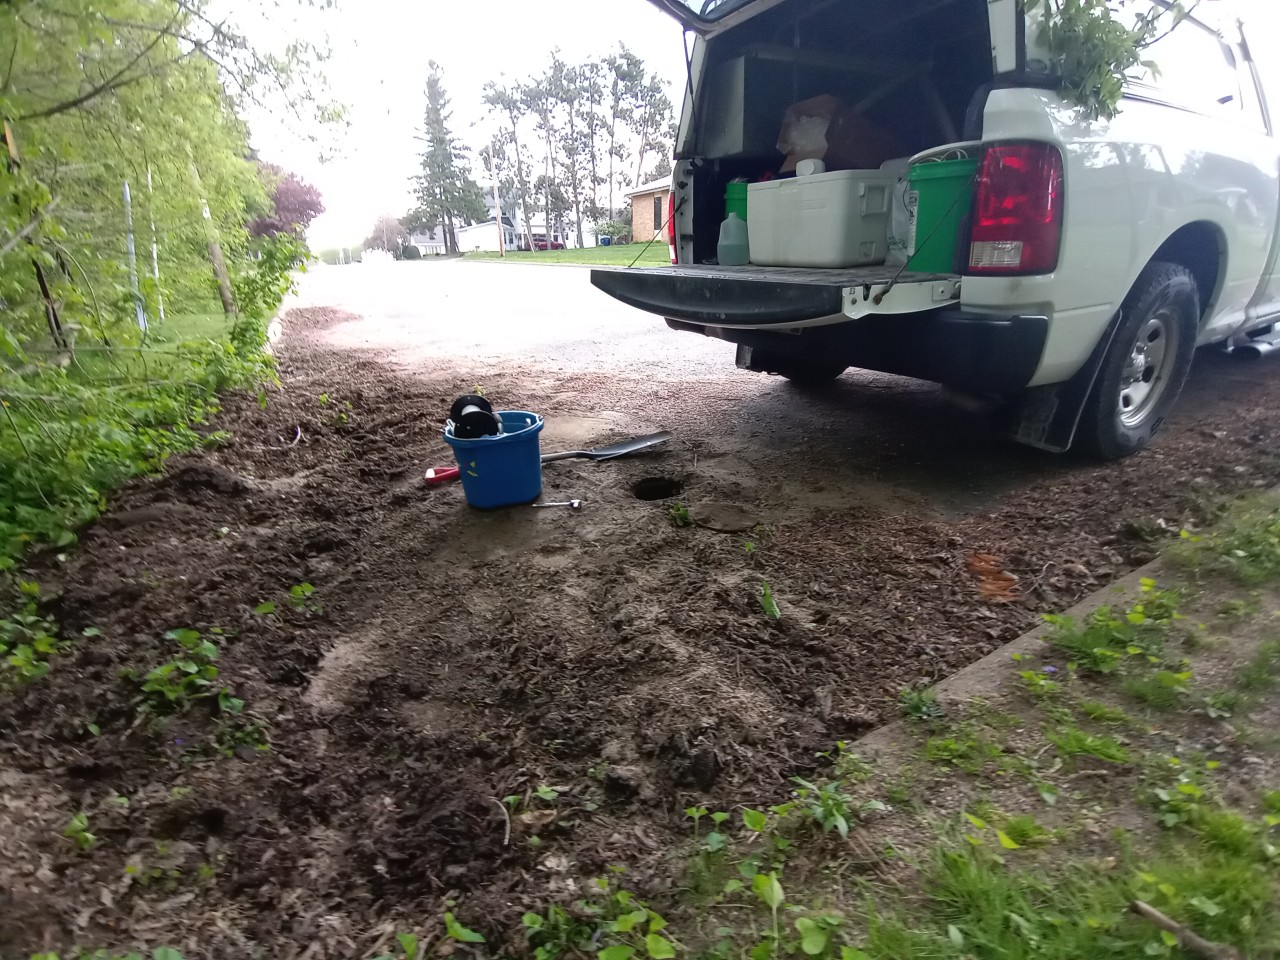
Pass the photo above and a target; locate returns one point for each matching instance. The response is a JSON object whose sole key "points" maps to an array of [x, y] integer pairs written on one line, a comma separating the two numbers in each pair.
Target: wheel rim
{"points": [[1148, 369]]}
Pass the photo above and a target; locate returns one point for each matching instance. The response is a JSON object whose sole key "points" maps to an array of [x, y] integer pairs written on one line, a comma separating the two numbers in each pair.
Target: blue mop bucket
{"points": [[502, 470]]}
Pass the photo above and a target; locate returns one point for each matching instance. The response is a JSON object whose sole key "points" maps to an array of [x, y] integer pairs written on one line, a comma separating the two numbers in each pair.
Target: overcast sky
{"points": [[380, 53]]}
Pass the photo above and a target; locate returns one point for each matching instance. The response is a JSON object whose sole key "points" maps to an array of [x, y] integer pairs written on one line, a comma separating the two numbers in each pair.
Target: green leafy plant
{"points": [[964, 749], [767, 601], [28, 641], [679, 515], [456, 931], [1092, 49], [1248, 548], [816, 933], [613, 925], [1162, 690], [77, 831], [829, 806], [920, 704], [174, 685], [1106, 641], [299, 598], [409, 948]]}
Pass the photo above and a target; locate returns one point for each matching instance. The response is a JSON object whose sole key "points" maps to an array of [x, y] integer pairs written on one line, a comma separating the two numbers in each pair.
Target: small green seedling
{"points": [[300, 598], [679, 514], [456, 931], [78, 832], [767, 601]]}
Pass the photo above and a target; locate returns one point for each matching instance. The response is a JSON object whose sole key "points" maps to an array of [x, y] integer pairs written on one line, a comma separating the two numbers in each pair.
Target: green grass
{"points": [[1248, 547], [656, 254], [163, 340], [987, 906], [1073, 742], [1261, 671]]}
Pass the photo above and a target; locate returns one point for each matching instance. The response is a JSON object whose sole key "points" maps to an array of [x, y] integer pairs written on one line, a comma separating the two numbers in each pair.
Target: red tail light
{"points": [[671, 225], [1017, 210]]}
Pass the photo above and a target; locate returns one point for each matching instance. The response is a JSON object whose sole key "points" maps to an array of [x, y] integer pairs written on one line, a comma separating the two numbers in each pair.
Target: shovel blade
{"points": [[634, 445]]}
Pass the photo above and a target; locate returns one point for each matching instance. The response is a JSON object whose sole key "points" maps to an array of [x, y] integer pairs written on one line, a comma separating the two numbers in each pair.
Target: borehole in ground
{"points": [[656, 488]]}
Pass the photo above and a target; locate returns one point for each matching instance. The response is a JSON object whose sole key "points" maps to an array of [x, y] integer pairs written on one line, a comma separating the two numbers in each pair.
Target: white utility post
{"points": [[497, 203], [139, 311]]}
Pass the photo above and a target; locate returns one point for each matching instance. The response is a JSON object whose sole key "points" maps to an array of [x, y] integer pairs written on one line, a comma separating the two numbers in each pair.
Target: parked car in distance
{"points": [[540, 243], [1096, 255]]}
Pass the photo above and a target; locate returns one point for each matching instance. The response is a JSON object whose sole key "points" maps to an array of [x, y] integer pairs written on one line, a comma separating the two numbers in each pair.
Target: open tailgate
{"points": [[753, 296]]}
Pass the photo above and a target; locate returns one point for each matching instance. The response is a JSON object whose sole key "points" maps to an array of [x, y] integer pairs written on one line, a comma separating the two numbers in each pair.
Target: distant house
{"points": [[649, 209], [484, 236], [429, 244]]}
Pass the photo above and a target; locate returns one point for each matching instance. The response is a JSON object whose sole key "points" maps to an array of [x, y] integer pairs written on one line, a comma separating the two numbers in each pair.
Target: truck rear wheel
{"points": [[1146, 365]]}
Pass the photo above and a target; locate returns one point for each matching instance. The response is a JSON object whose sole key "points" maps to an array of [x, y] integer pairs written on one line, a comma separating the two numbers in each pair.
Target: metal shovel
{"points": [[634, 445]]}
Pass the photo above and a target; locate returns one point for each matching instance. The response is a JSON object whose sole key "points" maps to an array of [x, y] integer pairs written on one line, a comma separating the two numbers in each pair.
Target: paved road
{"points": [[549, 325], [484, 312]]}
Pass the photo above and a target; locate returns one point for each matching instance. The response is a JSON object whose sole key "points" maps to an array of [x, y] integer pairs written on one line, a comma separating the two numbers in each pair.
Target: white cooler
{"points": [[838, 219]]}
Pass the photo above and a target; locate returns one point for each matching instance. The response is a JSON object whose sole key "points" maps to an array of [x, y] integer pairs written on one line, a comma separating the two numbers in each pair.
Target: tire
{"points": [[1146, 366]]}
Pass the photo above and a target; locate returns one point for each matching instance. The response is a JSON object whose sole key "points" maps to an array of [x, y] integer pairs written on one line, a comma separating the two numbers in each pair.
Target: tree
{"points": [[590, 101], [295, 203], [650, 121], [388, 234], [626, 81], [446, 193], [564, 87], [508, 104], [126, 172], [538, 100]]}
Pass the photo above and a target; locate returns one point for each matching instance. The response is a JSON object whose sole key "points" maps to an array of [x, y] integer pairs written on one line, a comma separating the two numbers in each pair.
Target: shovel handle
{"points": [[439, 475]]}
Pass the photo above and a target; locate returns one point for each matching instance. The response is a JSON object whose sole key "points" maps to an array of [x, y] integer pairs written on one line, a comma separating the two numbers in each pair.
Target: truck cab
{"points": [[1080, 263]]}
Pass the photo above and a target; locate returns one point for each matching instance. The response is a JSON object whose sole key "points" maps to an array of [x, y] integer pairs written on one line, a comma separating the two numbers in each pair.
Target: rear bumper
{"points": [[981, 353], [800, 312]]}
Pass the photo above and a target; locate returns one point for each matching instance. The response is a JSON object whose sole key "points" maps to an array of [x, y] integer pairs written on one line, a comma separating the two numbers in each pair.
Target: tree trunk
{"points": [[644, 138], [613, 138], [521, 180], [215, 247], [575, 181]]}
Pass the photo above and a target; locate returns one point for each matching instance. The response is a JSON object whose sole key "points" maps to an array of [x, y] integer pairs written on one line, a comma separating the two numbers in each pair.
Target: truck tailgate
{"points": [[764, 296]]}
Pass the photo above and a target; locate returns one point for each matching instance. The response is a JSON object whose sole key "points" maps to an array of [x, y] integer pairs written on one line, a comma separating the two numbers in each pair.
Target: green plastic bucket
{"points": [[944, 191], [735, 200]]}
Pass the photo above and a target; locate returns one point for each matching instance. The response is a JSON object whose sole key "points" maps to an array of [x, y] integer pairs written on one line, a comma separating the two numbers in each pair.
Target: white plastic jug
{"points": [[733, 249]]}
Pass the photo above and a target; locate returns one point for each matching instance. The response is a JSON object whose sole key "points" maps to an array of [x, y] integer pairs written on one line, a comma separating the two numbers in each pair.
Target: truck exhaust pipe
{"points": [[1257, 349], [1259, 345]]}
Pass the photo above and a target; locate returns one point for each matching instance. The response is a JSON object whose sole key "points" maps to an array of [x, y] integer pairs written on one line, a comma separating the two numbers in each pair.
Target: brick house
{"points": [[649, 209]]}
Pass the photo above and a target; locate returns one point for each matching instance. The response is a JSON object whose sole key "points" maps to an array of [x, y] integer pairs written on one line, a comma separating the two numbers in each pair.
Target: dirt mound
{"points": [[455, 684]]}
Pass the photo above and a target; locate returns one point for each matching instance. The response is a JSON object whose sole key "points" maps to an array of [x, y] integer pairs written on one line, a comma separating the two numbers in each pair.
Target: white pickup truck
{"points": [[1099, 253]]}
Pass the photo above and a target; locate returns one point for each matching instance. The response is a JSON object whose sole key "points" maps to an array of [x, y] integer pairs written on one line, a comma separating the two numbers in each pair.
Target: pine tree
{"points": [[446, 193]]}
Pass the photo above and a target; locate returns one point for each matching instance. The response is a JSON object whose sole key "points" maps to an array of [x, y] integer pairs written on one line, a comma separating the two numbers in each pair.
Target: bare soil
{"points": [[450, 658]]}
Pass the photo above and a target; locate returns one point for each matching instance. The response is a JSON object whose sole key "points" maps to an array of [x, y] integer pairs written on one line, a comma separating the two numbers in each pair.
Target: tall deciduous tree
{"points": [[650, 121], [508, 104], [627, 73], [541, 103], [388, 234], [446, 193]]}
